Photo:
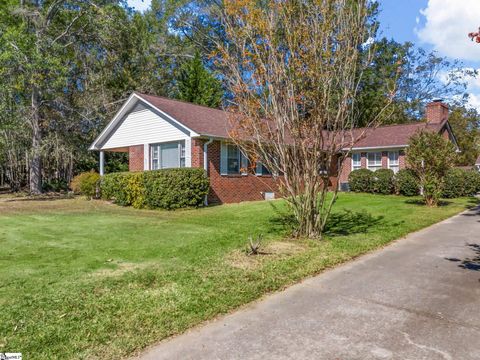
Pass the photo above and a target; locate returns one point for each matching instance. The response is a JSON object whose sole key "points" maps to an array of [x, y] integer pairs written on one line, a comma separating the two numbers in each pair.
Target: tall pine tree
{"points": [[197, 85]]}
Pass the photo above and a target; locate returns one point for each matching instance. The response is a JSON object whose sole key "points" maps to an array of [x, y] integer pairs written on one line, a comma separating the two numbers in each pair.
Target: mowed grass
{"points": [[87, 279]]}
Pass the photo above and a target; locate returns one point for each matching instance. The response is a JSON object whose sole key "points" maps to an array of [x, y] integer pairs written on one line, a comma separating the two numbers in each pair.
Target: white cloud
{"points": [[140, 5], [447, 24]]}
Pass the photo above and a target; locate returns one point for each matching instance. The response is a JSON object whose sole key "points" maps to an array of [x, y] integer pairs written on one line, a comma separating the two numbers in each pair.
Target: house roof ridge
{"points": [[180, 101], [411, 123]]}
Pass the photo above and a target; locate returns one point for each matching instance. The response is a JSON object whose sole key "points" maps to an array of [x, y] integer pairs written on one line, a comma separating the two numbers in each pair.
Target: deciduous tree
{"points": [[293, 68], [430, 156]]}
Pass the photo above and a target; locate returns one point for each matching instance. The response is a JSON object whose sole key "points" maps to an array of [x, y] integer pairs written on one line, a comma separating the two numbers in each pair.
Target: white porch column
{"points": [[102, 163]]}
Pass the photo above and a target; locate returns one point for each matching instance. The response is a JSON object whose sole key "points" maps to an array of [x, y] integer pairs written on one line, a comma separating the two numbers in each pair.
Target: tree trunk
{"points": [[36, 158]]}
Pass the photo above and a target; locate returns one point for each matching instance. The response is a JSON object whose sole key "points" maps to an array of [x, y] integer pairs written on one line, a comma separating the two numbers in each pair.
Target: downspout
{"points": [[205, 162]]}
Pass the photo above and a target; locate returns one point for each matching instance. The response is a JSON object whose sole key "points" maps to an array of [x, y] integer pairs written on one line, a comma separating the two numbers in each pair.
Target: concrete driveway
{"points": [[417, 299]]}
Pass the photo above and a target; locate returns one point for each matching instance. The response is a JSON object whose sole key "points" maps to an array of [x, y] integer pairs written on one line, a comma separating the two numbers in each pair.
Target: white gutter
{"points": [[205, 162]]}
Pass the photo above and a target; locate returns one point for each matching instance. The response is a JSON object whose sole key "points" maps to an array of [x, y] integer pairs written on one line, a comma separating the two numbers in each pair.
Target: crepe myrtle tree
{"points": [[293, 70], [430, 156]]}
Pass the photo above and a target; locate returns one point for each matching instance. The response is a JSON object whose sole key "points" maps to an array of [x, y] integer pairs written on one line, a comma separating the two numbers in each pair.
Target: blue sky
{"points": [[440, 25]]}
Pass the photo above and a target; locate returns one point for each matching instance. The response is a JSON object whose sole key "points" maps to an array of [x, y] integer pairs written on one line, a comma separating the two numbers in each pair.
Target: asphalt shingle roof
{"points": [[214, 122]]}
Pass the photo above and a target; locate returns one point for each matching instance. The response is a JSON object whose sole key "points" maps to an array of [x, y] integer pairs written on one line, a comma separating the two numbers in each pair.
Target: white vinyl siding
{"points": [[145, 127], [168, 155], [356, 161], [393, 162], [374, 160]]}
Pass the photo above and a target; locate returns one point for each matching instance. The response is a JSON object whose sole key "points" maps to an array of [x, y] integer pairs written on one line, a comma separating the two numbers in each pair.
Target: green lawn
{"points": [[87, 279]]}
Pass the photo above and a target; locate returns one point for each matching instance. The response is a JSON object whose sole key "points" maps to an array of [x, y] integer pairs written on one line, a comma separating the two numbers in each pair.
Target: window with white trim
{"points": [[232, 160], [167, 155], [356, 161], [261, 169], [393, 162], [374, 160]]}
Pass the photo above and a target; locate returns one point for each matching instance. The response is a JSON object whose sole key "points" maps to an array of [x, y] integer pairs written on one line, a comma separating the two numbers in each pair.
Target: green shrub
{"points": [[361, 180], [164, 189], [55, 185], [459, 182], [384, 181], [406, 183], [86, 184], [472, 182], [114, 187]]}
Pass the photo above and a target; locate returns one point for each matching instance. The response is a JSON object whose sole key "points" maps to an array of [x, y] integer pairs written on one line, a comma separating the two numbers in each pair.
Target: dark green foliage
{"points": [[430, 156], [197, 85], [361, 180], [406, 183], [55, 185], [175, 188], [163, 189], [384, 181], [86, 184], [459, 182]]}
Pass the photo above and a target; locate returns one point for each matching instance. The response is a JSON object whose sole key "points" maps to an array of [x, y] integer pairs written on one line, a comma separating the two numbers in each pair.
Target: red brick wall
{"points": [[401, 160], [234, 188], [436, 112], [197, 153], [135, 158]]}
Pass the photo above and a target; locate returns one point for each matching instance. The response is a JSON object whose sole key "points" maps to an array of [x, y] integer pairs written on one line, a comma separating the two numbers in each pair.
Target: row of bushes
{"points": [[457, 182], [164, 189]]}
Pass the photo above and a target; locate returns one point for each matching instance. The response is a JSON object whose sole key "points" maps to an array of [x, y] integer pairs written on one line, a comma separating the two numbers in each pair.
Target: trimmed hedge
{"points": [[86, 184], [361, 180], [406, 183], [157, 189], [459, 182], [384, 181]]}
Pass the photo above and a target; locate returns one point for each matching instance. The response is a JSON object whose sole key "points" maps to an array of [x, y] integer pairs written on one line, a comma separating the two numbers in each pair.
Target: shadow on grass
{"points": [[420, 202], [471, 263], [340, 223], [471, 203], [350, 222]]}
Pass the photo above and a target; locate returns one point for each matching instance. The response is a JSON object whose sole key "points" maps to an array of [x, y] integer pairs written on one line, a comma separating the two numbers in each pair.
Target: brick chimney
{"points": [[436, 112]]}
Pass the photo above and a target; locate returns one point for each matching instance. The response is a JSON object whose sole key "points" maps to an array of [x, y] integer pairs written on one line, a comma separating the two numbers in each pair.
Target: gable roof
{"points": [[478, 160], [207, 122], [203, 120]]}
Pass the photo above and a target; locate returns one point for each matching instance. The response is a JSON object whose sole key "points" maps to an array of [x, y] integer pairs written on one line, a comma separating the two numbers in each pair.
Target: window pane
{"points": [[169, 155], [356, 161], [233, 159], [393, 157], [182, 153], [374, 160]]}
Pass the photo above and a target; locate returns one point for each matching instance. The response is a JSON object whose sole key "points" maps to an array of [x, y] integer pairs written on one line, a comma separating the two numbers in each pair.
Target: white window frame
{"points": [[181, 154], [241, 158], [376, 164], [395, 166], [259, 169], [359, 166]]}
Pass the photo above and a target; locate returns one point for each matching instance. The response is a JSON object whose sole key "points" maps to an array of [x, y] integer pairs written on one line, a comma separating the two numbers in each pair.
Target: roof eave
{"points": [[125, 108]]}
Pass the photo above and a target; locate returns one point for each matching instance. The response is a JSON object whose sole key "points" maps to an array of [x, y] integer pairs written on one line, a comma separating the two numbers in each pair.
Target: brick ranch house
{"points": [[162, 133]]}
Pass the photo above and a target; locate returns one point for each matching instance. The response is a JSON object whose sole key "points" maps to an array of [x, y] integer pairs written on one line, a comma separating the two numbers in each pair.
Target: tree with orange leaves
{"points": [[293, 68]]}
